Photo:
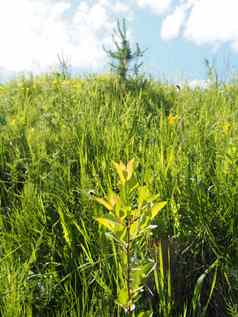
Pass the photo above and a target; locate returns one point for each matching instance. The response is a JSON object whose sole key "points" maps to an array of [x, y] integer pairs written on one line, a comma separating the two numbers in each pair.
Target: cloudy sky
{"points": [[178, 35]]}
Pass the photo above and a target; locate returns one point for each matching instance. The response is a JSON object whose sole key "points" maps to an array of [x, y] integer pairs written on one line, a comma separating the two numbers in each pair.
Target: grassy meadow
{"points": [[59, 141]]}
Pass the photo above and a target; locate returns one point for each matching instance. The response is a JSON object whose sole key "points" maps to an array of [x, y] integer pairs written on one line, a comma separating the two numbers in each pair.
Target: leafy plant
{"points": [[128, 224], [64, 67], [212, 73], [123, 56]]}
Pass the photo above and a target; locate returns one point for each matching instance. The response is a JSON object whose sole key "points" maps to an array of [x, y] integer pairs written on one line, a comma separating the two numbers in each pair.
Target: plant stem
{"points": [[128, 252]]}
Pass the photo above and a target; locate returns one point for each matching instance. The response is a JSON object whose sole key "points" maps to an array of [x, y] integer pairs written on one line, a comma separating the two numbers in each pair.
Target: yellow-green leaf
{"points": [[113, 199], [104, 203], [143, 195], [120, 168], [134, 229], [130, 168], [109, 224], [145, 314], [122, 298], [156, 208], [64, 227]]}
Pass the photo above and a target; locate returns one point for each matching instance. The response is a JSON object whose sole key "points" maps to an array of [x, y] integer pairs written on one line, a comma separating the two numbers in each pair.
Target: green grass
{"points": [[58, 141]]}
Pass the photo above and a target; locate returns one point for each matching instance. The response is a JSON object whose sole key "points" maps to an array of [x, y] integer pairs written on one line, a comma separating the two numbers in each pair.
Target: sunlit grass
{"points": [[58, 141]]}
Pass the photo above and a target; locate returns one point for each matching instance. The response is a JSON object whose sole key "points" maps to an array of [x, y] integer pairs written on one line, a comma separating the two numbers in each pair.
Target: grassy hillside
{"points": [[59, 139]]}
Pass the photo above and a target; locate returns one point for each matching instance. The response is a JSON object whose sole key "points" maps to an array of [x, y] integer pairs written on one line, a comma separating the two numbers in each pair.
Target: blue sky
{"points": [[179, 58], [178, 35]]}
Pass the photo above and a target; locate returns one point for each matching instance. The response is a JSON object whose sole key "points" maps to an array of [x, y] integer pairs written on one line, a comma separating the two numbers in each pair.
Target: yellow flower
{"points": [[172, 119], [13, 121], [226, 127]]}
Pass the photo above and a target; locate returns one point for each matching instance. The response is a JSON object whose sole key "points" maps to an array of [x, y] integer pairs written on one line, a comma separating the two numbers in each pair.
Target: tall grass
{"points": [[58, 141]]}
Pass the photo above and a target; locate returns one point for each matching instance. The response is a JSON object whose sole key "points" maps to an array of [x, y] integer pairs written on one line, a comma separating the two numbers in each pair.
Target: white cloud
{"points": [[121, 7], [30, 32], [33, 32], [213, 21], [156, 6], [172, 24], [198, 83], [210, 22]]}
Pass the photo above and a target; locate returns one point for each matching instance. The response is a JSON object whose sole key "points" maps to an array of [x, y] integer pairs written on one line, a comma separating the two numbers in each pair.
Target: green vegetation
{"points": [[84, 235], [124, 60], [128, 227]]}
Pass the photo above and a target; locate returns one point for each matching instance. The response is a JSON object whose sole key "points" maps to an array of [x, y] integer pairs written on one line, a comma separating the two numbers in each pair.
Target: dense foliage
{"points": [[59, 139], [123, 56]]}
